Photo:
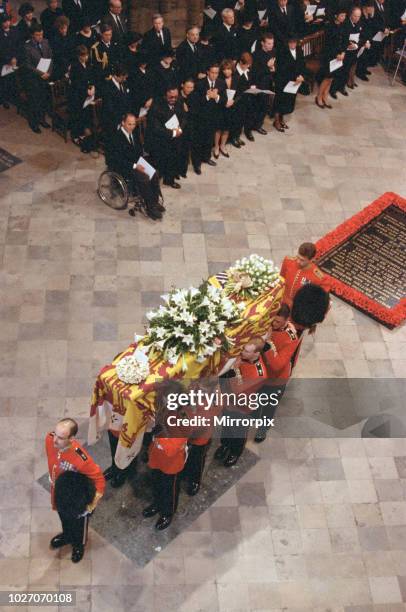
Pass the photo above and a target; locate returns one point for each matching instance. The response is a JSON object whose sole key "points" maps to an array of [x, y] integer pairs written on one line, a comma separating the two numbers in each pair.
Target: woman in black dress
{"points": [[334, 50], [81, 89], [63, 45], [228, 117], [86, 35], [290, 67]]}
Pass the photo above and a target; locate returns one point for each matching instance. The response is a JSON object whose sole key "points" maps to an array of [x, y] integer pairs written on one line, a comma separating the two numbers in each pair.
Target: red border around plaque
{"points": [[391, 317]]}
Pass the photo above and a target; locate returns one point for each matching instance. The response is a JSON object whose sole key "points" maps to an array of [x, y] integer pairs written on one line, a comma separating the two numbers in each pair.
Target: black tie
{"points": [[211, 84], [131, 140], [120, 25], [193, 48], [40, 48]]}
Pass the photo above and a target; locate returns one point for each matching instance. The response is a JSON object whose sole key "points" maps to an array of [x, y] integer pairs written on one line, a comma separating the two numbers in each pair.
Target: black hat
{"points": [[132, 37], [25, 8], [310, 305]]}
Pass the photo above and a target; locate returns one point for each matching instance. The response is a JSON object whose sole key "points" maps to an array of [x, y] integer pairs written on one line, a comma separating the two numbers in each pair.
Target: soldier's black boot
{"points": [[58, 541]]}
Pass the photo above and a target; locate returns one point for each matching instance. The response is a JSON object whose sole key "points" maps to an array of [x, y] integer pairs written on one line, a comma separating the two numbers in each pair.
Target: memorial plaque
{"points": [[372, 260]]}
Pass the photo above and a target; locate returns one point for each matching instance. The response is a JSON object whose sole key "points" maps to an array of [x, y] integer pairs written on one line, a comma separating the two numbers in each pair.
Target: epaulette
{"points": [[81, 454]]}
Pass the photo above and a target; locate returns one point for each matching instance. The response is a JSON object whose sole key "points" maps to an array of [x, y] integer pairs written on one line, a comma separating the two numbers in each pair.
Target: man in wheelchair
{"points": [[122, 155]]}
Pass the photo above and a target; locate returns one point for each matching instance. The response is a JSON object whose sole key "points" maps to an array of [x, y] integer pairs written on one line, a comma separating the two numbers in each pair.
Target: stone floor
{"points": [[320, 524]]}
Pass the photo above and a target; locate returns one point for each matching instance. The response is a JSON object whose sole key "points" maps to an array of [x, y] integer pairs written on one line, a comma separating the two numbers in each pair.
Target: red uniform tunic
{"points": [[74, 459], [295, 277], [250, 377], [283, 346], [168, 454]]}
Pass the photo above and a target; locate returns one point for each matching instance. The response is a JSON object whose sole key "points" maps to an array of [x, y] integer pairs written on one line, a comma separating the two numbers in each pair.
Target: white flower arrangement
{"points": [[250, 277], [192, 321], [134, 368]]}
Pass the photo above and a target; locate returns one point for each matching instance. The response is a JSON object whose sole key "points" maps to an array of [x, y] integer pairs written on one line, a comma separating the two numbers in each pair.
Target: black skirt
{"points": [[284, 103]]}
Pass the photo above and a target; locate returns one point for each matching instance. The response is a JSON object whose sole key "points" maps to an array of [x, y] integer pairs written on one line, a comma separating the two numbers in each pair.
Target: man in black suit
{"points": [[226, 39], [116, 100], [75, 10], [282, 22], [36, 80], [156, 40], [116, 20], [212, 97], [188, 55], [165, 143], [104, 55], [9, 42], [122, 157]]}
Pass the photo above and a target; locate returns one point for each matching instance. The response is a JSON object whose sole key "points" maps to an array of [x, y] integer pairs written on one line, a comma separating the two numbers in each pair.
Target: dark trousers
{"points": [[195, 463], [166, 492], [38, 100], [148, 189], [234, 437], [75, 529], [269, 411], [203, 143]]}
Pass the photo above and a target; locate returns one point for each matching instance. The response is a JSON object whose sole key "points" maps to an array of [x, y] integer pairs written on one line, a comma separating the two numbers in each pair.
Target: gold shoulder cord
{"points": [[101, 60]]}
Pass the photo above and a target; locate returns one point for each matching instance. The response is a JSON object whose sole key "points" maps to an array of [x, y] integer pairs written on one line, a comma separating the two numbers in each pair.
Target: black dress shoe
{"points": [[149, 511], [261, 131], [224, 153], [154, 214], [249, 136], [236, 144], [221, 453], [160, 207], [362, 77], [231, 460], [118, 479], [109, 473], [210, 162], [350, 87], [45, 124], [58, 541], [193, 488], [241, 142], [172, 184], [333, 94], [260, 437], [77, 553], [368, 72], [343, 92], [197, 169], [163, 522], [35, 129], [183, 175]]}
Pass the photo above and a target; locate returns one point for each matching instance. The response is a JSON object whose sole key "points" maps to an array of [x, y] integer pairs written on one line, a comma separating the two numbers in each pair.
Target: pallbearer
{"points": [[167, 458], [248, 374], [301, 270]]}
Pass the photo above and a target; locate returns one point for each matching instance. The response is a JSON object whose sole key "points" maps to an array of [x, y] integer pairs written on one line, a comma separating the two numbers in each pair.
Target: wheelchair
{"points": [[117, 193]]}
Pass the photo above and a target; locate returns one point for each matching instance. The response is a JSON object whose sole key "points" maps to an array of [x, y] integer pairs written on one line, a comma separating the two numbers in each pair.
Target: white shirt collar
{"points": [[116, 83], [126, 134], [227, 26], [241, 71], [191, 45]]}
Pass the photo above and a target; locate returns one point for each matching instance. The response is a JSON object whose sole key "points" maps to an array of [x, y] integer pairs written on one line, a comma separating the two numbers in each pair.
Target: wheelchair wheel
{"points": [[113, 190]]}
